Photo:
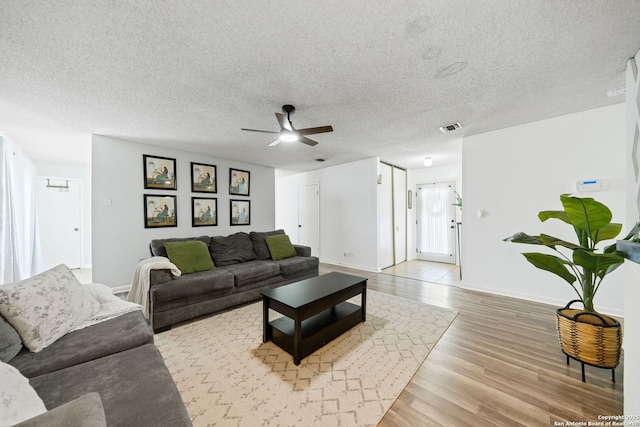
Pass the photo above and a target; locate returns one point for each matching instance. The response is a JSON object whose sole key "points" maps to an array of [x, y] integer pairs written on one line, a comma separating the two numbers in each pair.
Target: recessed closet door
{"points": [[400, 214], [385, 217]]}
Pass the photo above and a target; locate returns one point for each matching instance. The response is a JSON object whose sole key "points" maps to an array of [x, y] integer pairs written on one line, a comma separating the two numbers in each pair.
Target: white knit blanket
{"points": [[139, 292]]}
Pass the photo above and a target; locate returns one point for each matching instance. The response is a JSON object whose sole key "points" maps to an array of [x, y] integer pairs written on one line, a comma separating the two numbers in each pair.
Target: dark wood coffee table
{"points": [[315, 312]]}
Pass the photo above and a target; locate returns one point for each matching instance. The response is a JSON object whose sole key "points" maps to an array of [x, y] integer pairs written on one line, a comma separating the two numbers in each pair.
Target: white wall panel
{"points": [[512, 174]]}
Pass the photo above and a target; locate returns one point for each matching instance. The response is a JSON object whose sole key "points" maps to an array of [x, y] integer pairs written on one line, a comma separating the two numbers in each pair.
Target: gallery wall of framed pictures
{"points": [[160, 210]]}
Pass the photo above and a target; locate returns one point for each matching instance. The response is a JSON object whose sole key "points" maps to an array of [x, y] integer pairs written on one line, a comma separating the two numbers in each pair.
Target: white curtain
{"points": [[433, 204], [19, 253]]}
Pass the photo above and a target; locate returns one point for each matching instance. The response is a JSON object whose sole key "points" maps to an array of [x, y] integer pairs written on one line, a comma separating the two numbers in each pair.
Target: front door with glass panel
{"points": [[436, 222]]}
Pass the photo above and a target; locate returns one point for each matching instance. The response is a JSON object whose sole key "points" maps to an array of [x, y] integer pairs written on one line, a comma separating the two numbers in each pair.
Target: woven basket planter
{"points": [[589, 337]]}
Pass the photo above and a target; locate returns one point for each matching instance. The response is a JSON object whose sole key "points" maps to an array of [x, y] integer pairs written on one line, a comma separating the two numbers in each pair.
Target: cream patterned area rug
{"points": [[228, 377]]}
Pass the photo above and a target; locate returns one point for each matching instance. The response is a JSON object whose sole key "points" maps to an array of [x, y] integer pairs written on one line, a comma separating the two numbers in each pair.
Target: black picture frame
{"points": [[204, 178], [239, 212], [204, 211], [160, 210], [239, 182], [159, 172]]}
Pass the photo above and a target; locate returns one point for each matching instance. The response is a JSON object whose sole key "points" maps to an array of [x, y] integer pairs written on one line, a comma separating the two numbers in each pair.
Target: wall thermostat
{"points": [[589, 185]]}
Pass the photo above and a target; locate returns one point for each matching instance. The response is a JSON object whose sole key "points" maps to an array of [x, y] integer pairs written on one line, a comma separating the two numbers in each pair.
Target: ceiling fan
{"points": [[288, 133]]}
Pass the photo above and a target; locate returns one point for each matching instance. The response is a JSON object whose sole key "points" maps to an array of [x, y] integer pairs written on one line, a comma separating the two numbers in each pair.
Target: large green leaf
{"points": [[552, 264], [586, 214], [609, 231], [552, 242], [600, 264], [561, 215], [524, 238]]}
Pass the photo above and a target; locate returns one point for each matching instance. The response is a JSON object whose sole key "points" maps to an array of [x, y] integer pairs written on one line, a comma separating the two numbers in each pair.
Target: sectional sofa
{"points": [[76, 355], [243, 266]]}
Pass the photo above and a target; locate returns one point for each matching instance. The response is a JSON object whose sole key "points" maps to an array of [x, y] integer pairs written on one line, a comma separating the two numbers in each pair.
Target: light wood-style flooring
{"points": [[499, 363]]}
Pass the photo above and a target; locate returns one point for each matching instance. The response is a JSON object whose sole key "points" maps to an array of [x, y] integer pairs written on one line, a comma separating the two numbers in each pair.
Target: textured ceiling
{"points": [[384, 74]]}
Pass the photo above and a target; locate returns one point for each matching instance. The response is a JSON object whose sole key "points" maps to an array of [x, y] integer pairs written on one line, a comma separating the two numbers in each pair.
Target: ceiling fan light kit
{"points": [[288, 133]]}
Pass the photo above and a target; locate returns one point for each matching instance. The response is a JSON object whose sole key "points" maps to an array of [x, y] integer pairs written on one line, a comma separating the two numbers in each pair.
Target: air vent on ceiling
{"points": [[449, 128]]}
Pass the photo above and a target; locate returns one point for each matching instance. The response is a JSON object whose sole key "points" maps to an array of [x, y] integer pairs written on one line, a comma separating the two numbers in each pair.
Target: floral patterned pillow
{"points": [[47, 306]]}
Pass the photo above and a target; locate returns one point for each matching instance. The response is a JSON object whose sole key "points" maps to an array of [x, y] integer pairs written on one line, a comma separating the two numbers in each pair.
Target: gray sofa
{"points": [[111, 366], [243, 267]]}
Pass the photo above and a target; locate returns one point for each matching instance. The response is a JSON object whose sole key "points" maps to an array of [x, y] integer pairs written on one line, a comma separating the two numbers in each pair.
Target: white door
{"points": [[436, 223], [59, 219], [309, 217], [400, 214], [385, 216]]}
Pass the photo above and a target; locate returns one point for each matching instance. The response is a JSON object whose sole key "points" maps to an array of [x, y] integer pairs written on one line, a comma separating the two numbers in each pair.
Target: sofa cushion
{"points": [[280, 247], [253, 271], [298, 266], [18, 400], [10, 342], [157, 245], [189, 256], [102, 339], [233, 249], [202, 282], [85, 411], [135, 386], [259, 245], [46, 306]]}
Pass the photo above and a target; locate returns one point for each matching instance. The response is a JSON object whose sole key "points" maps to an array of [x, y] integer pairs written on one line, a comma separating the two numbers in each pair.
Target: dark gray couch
{"points": [[115, 359], [243, 267]]}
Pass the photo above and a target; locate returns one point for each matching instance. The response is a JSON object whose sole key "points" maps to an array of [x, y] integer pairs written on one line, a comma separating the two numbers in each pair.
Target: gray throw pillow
{"points": [[10, 342], [232, 249]]}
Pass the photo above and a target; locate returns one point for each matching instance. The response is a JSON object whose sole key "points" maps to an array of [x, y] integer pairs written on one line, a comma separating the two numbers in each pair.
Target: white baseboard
{"points": [[535, 298], [120, 289], [355, 266]]}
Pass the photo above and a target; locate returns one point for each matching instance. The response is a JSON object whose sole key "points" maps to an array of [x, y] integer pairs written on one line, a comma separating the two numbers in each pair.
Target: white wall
{"points": [[631, 339], [415, 177], [81, 173], [120, 240], [514, 173], [348, 211]]}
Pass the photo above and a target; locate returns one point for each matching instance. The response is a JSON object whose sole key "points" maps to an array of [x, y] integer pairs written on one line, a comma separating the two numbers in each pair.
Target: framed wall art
{"points": [[159, 172], [203, 178], [240, 213], [239, 182], [204, 211], [160, 211]]}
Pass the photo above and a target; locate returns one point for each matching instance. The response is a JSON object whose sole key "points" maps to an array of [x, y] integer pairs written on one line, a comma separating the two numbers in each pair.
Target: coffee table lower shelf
{"points": [[317, 330]]}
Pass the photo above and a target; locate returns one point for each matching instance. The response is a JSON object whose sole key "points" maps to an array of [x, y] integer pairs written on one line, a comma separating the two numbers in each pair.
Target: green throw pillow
{"points": [[280, 247], [189, 256]]}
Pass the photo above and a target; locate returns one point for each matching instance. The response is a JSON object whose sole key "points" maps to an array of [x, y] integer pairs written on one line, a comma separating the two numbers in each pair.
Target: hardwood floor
{"points": [[499, 363]]}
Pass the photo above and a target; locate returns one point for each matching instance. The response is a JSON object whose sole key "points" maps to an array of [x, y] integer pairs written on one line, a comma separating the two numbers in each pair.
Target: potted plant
{"points": [[585, 334]]}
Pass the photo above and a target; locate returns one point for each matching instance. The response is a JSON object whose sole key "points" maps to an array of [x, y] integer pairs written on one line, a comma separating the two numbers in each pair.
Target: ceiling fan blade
{"points": [[307, 141], [256, 130], [284, 123], [311, 131], [276, 142]]}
